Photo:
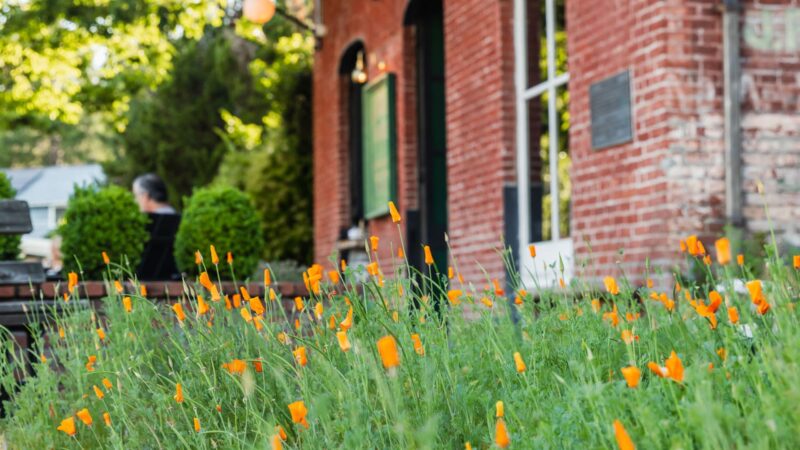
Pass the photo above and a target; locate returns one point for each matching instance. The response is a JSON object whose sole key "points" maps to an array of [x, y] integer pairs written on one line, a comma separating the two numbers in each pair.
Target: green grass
{"points": [[569, 396]]}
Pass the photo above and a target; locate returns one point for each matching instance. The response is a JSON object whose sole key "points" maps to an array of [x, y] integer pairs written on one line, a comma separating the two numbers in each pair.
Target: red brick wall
{"points": [[670, 181], [480, 108], [643, 196]]}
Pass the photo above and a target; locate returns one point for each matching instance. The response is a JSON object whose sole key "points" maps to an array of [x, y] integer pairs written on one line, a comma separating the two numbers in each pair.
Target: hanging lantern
{"points": [[359, 76], [259, 11]]}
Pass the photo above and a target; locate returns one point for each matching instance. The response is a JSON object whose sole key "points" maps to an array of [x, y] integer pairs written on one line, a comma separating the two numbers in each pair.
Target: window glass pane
{"points": [[535, 28], [537, 40], [563, 166], [561, 38], [39, 222]]}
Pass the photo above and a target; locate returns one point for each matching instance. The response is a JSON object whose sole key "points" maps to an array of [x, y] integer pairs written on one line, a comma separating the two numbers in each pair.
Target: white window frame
{"points": [[556, 248]]}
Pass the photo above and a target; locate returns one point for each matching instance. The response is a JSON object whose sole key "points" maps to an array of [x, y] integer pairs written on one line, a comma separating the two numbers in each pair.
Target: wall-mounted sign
{"points": [[610, 104], [380, 138]]}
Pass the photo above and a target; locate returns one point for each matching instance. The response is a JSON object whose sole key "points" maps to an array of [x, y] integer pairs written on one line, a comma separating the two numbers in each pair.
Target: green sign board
{"points": [[380, 138]]}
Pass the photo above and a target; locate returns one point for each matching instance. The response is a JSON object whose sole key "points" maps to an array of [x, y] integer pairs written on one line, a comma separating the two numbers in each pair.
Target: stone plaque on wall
{"points": [[610, 104]]}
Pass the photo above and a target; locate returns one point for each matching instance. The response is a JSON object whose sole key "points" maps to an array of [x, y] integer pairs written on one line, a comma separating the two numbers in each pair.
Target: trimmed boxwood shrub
{"points": [[224, 217], [101, 220], [9, 245]]}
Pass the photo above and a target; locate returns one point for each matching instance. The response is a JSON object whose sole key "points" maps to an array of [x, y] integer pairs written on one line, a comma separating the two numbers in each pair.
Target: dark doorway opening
{"points": [[426, 16], [353, 113]]}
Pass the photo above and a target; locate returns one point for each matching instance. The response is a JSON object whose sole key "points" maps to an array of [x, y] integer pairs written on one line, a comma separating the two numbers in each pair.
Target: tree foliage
{"points": [[272, 160]]}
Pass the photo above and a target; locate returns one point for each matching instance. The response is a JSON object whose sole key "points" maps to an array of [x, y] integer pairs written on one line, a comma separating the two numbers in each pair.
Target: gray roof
{"points": [[52, 185]]}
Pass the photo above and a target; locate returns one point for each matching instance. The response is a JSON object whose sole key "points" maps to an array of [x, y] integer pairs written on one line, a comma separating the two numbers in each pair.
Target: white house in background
{"points": [[47, 190]]}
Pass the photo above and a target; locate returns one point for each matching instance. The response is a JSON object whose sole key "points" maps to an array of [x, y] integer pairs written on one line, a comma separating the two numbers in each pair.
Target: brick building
{"points": [[651, 120]]}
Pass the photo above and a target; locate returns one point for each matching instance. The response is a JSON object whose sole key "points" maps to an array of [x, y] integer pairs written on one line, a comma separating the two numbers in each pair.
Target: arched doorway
{"points": [[352, 57], [426, 16]]}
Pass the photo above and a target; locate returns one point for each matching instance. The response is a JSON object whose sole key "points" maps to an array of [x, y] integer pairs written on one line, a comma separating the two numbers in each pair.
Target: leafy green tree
{"points": [[9, 245], [272, 160]]}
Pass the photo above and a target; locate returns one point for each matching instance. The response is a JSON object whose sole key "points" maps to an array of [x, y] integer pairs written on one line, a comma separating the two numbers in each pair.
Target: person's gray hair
{"points": [[153, 186]]}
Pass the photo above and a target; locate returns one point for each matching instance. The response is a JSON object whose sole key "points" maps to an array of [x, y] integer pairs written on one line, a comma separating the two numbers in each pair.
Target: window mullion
{"points": [[521, 80]]}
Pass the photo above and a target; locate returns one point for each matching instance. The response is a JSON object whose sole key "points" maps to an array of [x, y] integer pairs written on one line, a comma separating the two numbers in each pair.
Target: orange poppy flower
{"points": [[178, 393], [674, 367], [723, 247], [628, 337], [595, 305], [245, 313], [198, 258], [417, 344], [387, 348], [394, 213], [85, 417], [623, 440], [400, 254], [118, 286], [428, 255], [235, 366], [202, 306], [632, 375], [245, 294], [300, 356], [501, 437], [281, 432], [334, 276], [611, 285], [297, 324], [658, 370], [740, 259], [498, 291], [267, 277], [107, 418], [612, 316], [716, 301], [258, 366], [214, 257], [143, 290], [228, 304], [229, 258], [61, 333], [272, 295], [237, 301], [694, 246], [649, 283], [257, 306], [467, 446], [319, 309], [276, 442], [450, 272], [723, 354], [454, 296], [68, 425], [532, 250], [344, 343], [106, 259], [298, 304], [348, 320], [343, 265], [299, 412], [196, 425], [373, 243], [73, 281], [487, 302], [519, 363], [499, 409], [98, 392], [126, 303], [107, 383], [332, 322], [796, 261], [101, 334], [372, 269]]}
